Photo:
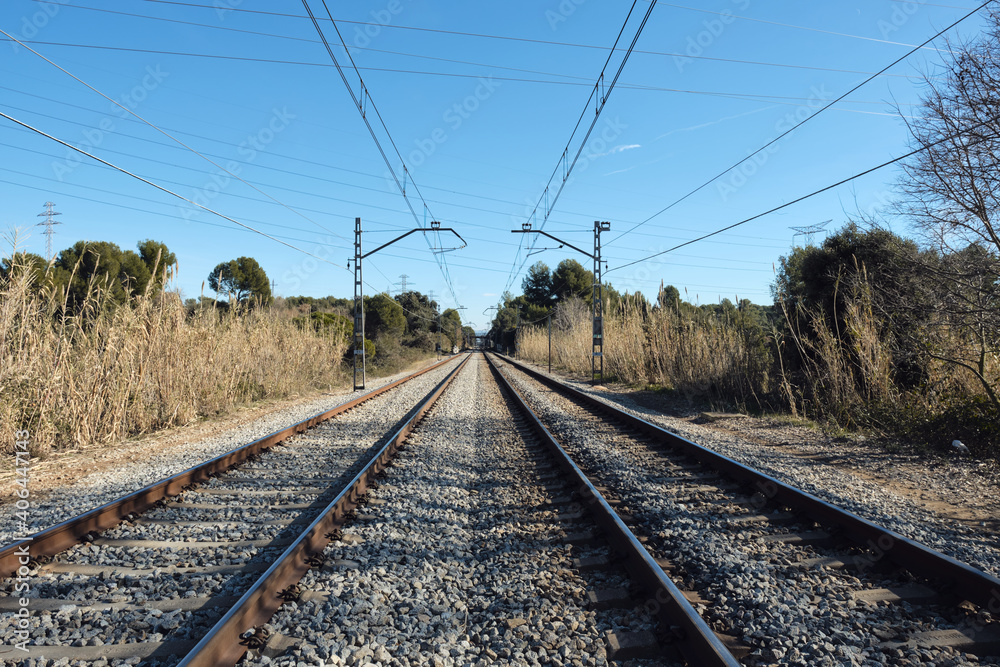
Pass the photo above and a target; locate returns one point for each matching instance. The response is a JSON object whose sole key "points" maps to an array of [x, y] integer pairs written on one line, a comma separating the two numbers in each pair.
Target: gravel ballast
{"points": [[787, 614], [107, 485], [460, 561], [242, 512]]}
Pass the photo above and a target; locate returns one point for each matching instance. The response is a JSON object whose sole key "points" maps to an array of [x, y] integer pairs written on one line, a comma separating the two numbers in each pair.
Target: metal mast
{"points": [[596, 294], [48, 224], [359, 310], [597, 359]]}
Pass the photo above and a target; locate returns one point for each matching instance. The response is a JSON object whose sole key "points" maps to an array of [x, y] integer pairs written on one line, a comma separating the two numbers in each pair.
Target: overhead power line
{"points": [[164, 133], [363, 104], [788, 100], [667, 54], [799, 124], [488, 36], [814, 193], [600, 95], [163, 189]]}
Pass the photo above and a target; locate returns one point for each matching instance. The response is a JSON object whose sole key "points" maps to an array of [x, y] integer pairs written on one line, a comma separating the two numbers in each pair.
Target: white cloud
{"points": [[618, 149], [712, 122]]}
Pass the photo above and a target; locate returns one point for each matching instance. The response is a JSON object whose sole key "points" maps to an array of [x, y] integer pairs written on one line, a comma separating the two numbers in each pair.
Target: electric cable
{"points": [[164, 133], [163, 189], [811, 194], [799, 124], [600, 101]]}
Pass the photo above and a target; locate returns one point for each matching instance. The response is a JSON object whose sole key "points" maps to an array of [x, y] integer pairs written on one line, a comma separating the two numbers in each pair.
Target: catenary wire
{"points": [[797, 125], [811, 194], [600, 98], [161, 188], [164, 133]]}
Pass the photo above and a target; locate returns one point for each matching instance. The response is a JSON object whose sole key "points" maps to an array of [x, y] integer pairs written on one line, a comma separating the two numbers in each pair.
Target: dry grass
{"points": [[701, 358], [111, 372]]}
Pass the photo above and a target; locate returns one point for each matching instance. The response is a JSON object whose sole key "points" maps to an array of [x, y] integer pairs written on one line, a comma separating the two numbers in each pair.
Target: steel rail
{"points": [[58, 538], [695, 639], [964, 581], [221, 646]]}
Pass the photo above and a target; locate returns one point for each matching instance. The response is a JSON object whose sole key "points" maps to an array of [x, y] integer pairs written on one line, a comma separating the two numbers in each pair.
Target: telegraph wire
{"points": [[578, 81], [797, 27], [800, 123], [164, 133], [161, 188], [466, 62], [811, 194], [600, 95], [488, 36]]}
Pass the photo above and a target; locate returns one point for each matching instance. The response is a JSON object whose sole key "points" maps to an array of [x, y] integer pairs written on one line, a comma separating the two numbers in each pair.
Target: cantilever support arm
{"points": [[412, 231], [538, 231]]}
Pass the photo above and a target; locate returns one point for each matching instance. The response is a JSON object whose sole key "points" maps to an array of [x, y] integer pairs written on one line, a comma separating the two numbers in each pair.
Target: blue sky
{"points": [[480, 100]]}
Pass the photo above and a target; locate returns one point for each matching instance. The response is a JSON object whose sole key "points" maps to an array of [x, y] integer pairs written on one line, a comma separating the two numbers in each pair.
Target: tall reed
{"points": [[106, 371]]}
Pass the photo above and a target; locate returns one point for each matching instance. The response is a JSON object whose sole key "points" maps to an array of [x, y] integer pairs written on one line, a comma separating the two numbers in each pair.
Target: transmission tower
{"points": [[403, 283], [48, 214], [810, 231]]}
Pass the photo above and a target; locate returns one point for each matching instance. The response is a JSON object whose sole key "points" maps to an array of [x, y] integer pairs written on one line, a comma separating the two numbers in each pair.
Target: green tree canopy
{"points": [[571, 279], [451, 325], [24, 261], [537, 286], [101, 263], [243, 278], [420, 311], [383, 316]]}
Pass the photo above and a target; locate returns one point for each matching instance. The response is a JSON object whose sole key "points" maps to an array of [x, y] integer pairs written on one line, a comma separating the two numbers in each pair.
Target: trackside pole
{"points": [[359, 310]]}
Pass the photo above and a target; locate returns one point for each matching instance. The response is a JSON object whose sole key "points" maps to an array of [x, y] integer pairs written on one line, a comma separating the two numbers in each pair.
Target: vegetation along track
{"points": [[788, 577], [148, 575]]}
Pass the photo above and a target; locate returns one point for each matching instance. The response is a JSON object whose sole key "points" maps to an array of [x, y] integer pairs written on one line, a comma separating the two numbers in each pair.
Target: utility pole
{"points": [[359, 309], [489, 340], [458, 332], [597, 355], [48, 214], [517, 325], [430, 295], [550, 340]]}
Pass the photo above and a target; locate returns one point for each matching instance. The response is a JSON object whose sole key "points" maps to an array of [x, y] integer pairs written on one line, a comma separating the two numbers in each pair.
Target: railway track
{"points": [[498, 534], [146, 576], [480, 545], [790, 577]]}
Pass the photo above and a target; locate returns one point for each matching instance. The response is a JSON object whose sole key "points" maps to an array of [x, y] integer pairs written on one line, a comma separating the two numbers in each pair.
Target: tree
{"points": [[571, 279], [468, 337], [159, 260], [669, 298], [451, 325], [101, 264], [950, 191], [243, 278], [824, 281], [420, 311], [21, 262], [383, 316], [537, 285]]}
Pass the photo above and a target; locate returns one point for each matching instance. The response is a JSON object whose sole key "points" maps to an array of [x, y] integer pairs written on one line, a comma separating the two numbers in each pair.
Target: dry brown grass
{"points": [[701, 358], [111, 372]]}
